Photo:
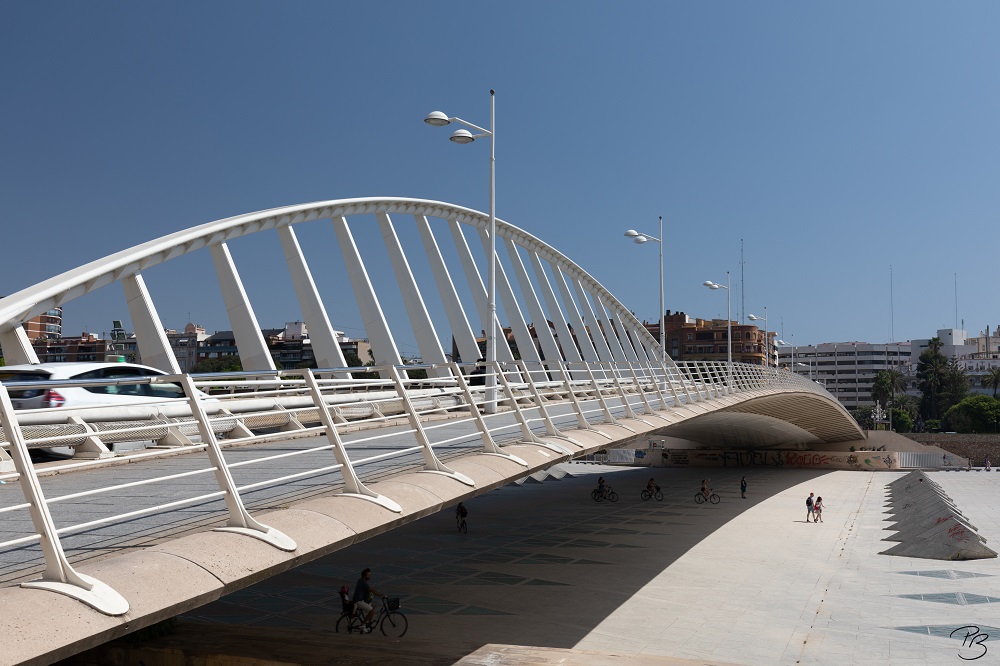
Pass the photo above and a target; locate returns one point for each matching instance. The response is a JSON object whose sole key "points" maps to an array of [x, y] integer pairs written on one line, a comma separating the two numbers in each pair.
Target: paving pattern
{"points": [[742, 582]]}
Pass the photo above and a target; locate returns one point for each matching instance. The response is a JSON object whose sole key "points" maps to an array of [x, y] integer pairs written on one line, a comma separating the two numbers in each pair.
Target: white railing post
{"points": [[609, 418], [526, 434], [431, 462], [59, 575], [489, 444], [550, 428], [581, 419], [629, 412], [353, 487], [240, 520]]}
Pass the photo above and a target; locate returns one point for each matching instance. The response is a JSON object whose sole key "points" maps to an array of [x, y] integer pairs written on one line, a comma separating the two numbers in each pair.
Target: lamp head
{"points": [[462, 136], [639, 240], [710, 284], [632, 233], [437, 119], [753, 317]]}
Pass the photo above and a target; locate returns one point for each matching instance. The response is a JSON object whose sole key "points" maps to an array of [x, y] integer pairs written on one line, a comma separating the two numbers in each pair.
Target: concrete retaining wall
{"points": [[974, 447], [860, 460]]}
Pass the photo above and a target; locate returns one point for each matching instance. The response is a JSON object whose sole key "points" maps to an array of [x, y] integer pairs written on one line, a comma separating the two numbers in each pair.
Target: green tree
{"points": [[990, 380], [887, 384], [977, 413], [863, 415], [901, 420], [932, 366], [223, 364], [955, 388]]}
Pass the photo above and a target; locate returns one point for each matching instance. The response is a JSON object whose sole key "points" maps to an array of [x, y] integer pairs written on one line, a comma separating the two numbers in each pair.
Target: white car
{"points": [[84, 396]]}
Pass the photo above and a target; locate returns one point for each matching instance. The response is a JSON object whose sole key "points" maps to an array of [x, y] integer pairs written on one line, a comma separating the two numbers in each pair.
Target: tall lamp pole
{"points": [[729, 324], [767, 356], [639, 238], [440, 119]]}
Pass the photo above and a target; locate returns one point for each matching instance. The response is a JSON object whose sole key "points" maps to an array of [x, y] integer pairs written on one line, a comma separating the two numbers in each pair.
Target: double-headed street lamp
{"points": [[440, 119], [729, 324], [639, 238], [788, 344], [767, 356]]}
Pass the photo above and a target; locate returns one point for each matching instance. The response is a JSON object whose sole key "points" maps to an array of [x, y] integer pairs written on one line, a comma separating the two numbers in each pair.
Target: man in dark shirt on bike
{"points": [[363, 596]]}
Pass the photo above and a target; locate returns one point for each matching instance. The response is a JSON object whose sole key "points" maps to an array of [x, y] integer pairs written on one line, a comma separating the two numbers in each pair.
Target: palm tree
{"points": [[991, 380]]}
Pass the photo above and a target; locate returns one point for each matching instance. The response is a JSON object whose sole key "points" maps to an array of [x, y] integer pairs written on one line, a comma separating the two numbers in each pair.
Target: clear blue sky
{"points": [[835, 139]]}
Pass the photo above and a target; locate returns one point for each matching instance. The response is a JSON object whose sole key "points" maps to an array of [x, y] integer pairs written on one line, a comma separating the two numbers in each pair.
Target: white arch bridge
{"points": [[289, 465]]}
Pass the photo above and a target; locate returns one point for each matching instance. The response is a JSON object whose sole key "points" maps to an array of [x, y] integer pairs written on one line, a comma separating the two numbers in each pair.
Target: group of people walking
{"points": [[814, 509]]}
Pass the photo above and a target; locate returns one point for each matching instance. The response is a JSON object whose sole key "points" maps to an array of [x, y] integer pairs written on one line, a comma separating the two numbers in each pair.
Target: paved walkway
{"points": [[741, 582]]}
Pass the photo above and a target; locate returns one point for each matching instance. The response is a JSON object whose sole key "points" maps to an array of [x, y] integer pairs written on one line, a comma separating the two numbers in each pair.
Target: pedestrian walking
{"points": [[818, 510], [743, 487], [809, 507]]}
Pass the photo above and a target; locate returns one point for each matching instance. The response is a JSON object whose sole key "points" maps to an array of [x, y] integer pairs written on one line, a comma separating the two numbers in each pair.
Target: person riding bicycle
{"points": [[349, 607], [705, 490], [460, 513], [651, 486], [364, 595], [602, 487]]}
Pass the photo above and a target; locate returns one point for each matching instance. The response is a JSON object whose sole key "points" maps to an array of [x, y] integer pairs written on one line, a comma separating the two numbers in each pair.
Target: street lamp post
{"points": [[729, 325], [639, 238], [461, 136], [767, 356]]}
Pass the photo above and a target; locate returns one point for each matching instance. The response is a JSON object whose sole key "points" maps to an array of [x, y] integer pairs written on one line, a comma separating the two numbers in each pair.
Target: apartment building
{"points": [[846, 369], [691, 339]]}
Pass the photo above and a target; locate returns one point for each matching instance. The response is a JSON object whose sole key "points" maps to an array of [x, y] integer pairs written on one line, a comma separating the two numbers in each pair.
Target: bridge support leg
{"points": [[489, 446], [526, 434], [581, 420], [550, 428], [240, 520], [353, 487], [431, 461], [59, 576]]}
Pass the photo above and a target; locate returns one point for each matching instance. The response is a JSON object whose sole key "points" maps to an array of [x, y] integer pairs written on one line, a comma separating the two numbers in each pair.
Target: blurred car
{"points": [[84, 396]]}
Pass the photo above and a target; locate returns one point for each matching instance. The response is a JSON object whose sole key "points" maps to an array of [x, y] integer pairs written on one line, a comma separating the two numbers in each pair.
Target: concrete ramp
{"points": [[927, 523]]}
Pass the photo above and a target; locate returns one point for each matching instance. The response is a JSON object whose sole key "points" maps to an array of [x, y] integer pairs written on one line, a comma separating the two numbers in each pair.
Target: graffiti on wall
{"points": [[807, 459]]}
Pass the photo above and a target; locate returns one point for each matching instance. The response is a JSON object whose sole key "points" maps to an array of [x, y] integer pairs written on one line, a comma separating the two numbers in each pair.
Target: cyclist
{"points": [[705, 490], [651, 486], [460, 514], [602, 487], [364, 595]]}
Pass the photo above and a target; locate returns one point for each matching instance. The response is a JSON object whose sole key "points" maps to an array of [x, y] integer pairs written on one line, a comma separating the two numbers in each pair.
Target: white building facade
{"points": [[846, 369]]}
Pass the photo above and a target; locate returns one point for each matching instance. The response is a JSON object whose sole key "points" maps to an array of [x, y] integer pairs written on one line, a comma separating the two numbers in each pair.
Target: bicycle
{"points": [[609, 495], [390, 621], [647, 494], [699, 498]]}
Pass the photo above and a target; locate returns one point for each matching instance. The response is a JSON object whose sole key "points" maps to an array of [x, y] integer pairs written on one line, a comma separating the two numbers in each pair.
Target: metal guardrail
{"points": [[229, 409]]}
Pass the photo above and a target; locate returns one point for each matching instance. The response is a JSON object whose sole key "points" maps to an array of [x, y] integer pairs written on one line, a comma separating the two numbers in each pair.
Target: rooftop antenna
{"points": [[956, 300], [892, 311], [743, 292]]}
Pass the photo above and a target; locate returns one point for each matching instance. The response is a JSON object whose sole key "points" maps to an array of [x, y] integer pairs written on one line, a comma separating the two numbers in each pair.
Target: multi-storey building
{"points": [[185, 345], [46, 325], [846, 369], [691, 339]]}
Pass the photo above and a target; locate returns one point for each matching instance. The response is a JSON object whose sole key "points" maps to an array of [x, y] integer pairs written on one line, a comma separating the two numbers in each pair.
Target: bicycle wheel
{"points": [[699, 498], [394, 624], [613, 496], [714, 498], [645, 495], [345, 624], [658, 496], [463, 528], [595, 495]]}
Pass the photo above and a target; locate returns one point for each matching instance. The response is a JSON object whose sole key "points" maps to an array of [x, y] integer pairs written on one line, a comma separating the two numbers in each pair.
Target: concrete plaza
{"points": [[741, 582]]}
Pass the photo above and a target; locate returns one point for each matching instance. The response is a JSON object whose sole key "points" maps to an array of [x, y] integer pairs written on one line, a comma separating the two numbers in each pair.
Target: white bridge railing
{"points": [[396, 420]]}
